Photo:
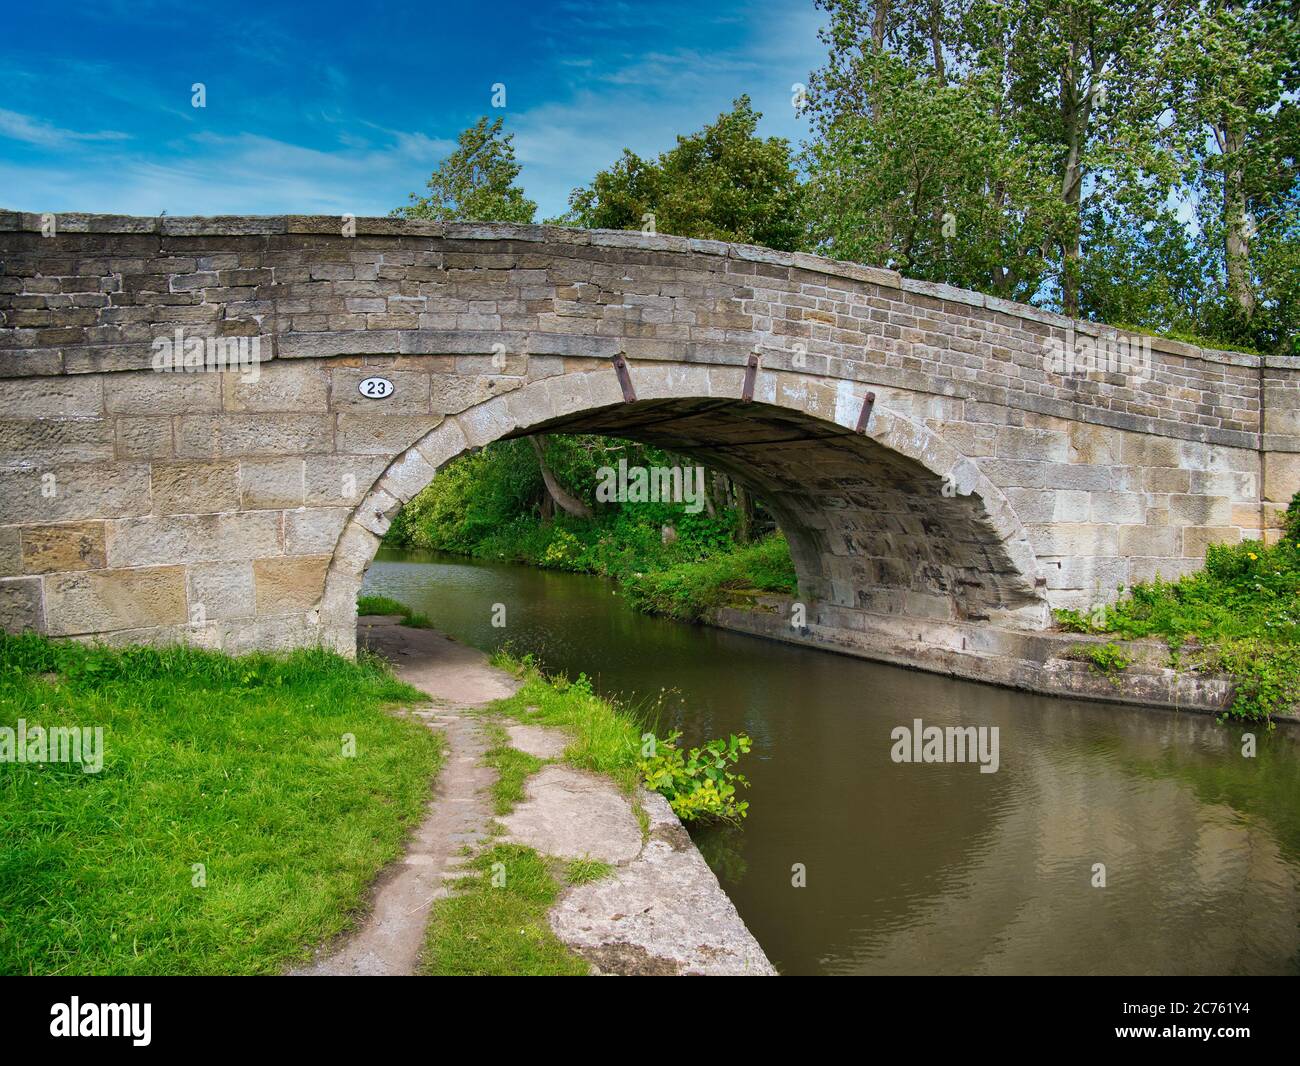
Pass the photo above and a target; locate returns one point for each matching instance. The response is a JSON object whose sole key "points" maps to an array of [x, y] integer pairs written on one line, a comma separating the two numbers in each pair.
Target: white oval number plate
{"points": [[376, 388]]}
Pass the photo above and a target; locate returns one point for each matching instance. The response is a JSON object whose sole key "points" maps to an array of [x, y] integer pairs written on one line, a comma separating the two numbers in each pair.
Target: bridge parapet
{"points": [[1103, 457]]}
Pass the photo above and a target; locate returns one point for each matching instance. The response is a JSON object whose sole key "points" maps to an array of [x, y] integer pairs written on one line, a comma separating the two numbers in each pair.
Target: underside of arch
{"points": [[888, 521], [869, 528]]}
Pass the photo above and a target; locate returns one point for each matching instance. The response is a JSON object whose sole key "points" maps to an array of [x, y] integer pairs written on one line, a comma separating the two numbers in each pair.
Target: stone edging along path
{"points": [[661, 910]]}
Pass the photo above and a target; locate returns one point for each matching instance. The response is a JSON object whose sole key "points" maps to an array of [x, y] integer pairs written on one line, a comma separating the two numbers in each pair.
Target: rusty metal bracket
{"points": [[624, 378], [868, 402], [751, 373]]}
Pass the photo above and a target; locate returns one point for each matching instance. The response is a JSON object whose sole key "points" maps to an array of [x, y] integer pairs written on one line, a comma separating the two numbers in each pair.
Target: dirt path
{"points": [[458, 680], [661, 910]]}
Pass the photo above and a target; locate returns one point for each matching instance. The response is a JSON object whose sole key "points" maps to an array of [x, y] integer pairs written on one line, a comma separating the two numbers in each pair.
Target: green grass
{"points": [[234, 763], [1240, 615], [513, 768], [500, 929], [689, 591], [384, 605], [585, 871], [606, 737]]}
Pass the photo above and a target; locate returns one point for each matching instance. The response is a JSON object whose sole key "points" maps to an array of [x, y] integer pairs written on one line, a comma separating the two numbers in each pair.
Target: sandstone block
{"points": [[73, 493], [271, 483], [144, 438], [294, 387], [178, 539], [381, 435], [289, 584], [195, 488], [74, 546], [149, 393], [51, 397], [314, 530], [99, 601], [410, 391], [221, 590], [236, 435], [20, 605], [48, 441], [336, 480]]}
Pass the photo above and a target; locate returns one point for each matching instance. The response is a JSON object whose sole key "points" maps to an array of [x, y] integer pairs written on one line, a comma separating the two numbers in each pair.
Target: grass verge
{"points": [[689, 591], [227, 833], [606, 737], [1240, 615], [495, 925], [384, 605]]}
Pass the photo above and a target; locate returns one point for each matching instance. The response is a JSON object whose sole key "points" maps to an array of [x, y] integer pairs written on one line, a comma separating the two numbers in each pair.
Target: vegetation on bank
{"points": [[1240, 615], [243, 808], [614, 740], [495, 922], [507, 503], [381, 605], [688, 591]]}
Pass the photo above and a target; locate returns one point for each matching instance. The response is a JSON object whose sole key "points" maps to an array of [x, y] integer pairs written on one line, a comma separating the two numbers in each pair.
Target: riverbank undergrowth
{"points": [[1239, 615]]}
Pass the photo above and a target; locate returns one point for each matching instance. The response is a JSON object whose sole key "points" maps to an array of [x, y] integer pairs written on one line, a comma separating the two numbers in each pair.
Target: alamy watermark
{"points": [[654, 484], [181, 354], [70, 744], [920, 743], [1079, 354]]}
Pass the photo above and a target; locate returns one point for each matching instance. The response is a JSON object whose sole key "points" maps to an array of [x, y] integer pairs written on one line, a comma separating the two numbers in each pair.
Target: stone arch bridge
{"points": [[937, 465]]}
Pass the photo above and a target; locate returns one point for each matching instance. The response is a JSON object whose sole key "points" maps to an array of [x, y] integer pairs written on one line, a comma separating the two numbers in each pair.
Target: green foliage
{"points": [[699, 784], [1055, 152], [489, 505], [585, 871], [608, 739], [723, 183], [1109, 660], [1072, 621], [500, 929], [476, 182], [689, 591], [1291, 521], [1239, 615], [471, 499], [606, 736], [908, 184], [235, 763], [384, 605]]}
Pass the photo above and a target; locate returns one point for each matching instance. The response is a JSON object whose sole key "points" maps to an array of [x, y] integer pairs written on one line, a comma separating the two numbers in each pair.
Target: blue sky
{"points": [[346, 107]]}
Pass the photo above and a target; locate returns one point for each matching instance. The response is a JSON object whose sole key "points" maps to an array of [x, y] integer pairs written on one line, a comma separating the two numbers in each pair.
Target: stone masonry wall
{"points": [[211, 506]]}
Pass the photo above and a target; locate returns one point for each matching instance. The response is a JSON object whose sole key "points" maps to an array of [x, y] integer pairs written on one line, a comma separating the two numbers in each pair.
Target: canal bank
{"points": [[1048, 663], [929, 869], [634, 895]]}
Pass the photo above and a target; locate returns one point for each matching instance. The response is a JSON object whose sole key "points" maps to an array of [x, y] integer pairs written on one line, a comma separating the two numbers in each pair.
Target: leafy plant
{"points": [[699, 784], [1239, 615], [1108, 660]]}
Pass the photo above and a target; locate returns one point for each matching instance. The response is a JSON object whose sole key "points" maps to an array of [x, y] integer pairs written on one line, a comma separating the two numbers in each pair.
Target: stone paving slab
{"points": [[537, 741], [662, 914], [574, 815]]}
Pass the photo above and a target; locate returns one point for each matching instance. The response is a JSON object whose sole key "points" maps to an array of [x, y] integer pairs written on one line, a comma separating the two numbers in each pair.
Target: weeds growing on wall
{"points": [[1239, 615]]}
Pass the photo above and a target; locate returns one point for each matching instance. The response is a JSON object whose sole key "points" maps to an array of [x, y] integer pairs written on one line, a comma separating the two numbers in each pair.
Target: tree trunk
{"points": [[564, 499], [745, 513], [1236, 233], [936, 41]]}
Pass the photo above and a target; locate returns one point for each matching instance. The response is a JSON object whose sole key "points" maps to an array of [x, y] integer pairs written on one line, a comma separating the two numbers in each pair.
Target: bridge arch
{"points": [[889, 519], [994, 476]]}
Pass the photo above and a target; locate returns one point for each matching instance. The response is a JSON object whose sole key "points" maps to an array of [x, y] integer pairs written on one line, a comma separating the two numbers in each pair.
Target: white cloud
{"points": [[21, 127], [597, 102]]}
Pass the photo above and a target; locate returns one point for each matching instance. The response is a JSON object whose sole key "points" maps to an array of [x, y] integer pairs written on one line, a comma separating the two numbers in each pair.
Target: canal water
{"points": [[914, 868]]}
